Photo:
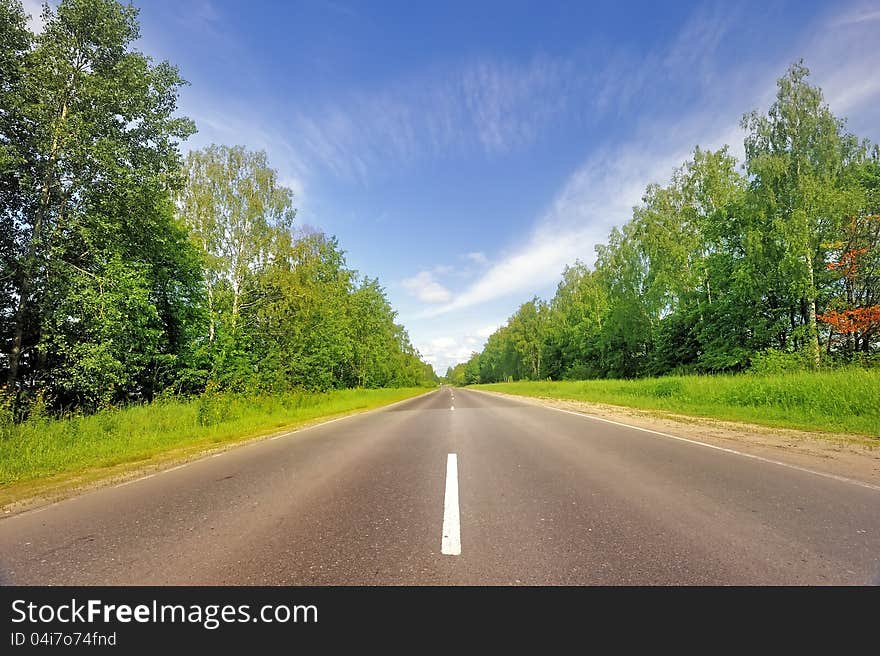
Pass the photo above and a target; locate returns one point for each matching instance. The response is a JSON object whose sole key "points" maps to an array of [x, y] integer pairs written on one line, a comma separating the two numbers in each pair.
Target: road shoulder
{"points": [[32, 495], [845, 455]]}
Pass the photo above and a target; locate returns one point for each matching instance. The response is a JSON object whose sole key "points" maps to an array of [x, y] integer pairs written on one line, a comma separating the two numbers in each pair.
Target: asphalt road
{"points": [[531, 496]]}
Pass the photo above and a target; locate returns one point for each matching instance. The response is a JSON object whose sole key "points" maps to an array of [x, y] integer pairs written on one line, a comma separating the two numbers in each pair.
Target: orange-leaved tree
{"points": [[854, 315]]}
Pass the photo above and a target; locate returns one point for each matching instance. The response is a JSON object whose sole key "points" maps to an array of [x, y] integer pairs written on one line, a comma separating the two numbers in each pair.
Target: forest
{"points": [[129, 272], [769, 265]]}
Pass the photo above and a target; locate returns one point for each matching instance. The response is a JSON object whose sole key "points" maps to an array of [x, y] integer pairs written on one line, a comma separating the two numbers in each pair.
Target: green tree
{"points": [[300, 329], [625, 339], [576, 313], [796, 156], [15, 44], [233, 206], [91, 132]]}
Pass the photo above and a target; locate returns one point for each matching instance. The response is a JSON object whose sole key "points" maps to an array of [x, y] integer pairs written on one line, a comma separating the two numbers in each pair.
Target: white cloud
{"points": [[603, 190], [538, 263], [507, 104], [600, 194], [843, 57], [296, 185], [426, 289], [449, 349]]}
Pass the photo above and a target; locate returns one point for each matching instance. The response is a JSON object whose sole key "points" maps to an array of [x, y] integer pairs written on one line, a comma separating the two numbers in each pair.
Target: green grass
{"points": [[51, 453], [838, 401]]}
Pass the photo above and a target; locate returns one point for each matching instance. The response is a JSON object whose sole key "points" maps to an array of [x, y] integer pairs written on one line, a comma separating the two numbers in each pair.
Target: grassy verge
{"points": [[51, 454], [838, 401]]}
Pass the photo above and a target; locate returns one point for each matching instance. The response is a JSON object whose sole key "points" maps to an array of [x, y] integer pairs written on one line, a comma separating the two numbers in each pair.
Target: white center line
{"points": [[451, 545]]}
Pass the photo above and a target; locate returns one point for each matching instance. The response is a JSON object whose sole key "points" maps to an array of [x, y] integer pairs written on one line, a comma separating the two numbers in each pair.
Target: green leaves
{"points": [[97, 270], [284, 309], [796, 156]]}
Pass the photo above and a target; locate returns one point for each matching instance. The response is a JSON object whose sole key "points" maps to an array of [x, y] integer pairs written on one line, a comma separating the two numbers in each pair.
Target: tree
{"points": [[233, 206], [575, 317], [527, 334], [284, 310], [90, 129], [796, 156], [624, 342], [855, 313], [298, 332], [15, 44]]}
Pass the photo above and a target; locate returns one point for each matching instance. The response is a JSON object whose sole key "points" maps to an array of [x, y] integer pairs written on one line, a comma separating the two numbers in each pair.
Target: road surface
{"points": [[458, 487]]}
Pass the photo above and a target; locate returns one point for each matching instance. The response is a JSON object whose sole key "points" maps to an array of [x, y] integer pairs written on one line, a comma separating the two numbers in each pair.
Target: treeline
{"points": [[126, 272], [774, 264]]}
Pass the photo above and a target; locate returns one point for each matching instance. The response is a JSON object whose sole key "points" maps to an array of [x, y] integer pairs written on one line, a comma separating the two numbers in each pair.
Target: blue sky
{"points": [[464, 153]]}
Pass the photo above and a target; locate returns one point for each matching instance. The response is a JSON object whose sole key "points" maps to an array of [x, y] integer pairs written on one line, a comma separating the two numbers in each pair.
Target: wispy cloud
{"points": [[857, 16], [485, 106], [689, 57], [843, 56], [598, 195], [694, 47], [508, 104], [603, 190], [531, 267]]}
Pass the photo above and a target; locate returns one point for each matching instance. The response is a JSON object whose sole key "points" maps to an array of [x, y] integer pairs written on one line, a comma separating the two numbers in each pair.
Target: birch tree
{"points": [[232, 204], [796, 155]]}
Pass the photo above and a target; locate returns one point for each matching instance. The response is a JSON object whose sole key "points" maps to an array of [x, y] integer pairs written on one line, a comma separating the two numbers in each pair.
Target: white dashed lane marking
{"points": [[451, 543]]}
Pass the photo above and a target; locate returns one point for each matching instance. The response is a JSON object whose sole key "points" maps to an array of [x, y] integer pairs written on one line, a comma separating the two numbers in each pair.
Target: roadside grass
{"points": [[837, 401], [52, 454]]}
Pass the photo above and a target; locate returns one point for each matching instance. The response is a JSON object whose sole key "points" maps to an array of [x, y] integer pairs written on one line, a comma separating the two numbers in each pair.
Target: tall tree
{"points": [[94, 138], [796, 156], [15, 43], [300, 329], [233, 205], [576, 314]]}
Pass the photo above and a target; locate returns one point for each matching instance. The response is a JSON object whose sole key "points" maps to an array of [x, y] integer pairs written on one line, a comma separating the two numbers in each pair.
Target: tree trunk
{"points": [[209, 288], [812, 328], [236, 300], [211, 321], [25, 286], [18, 337]]}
